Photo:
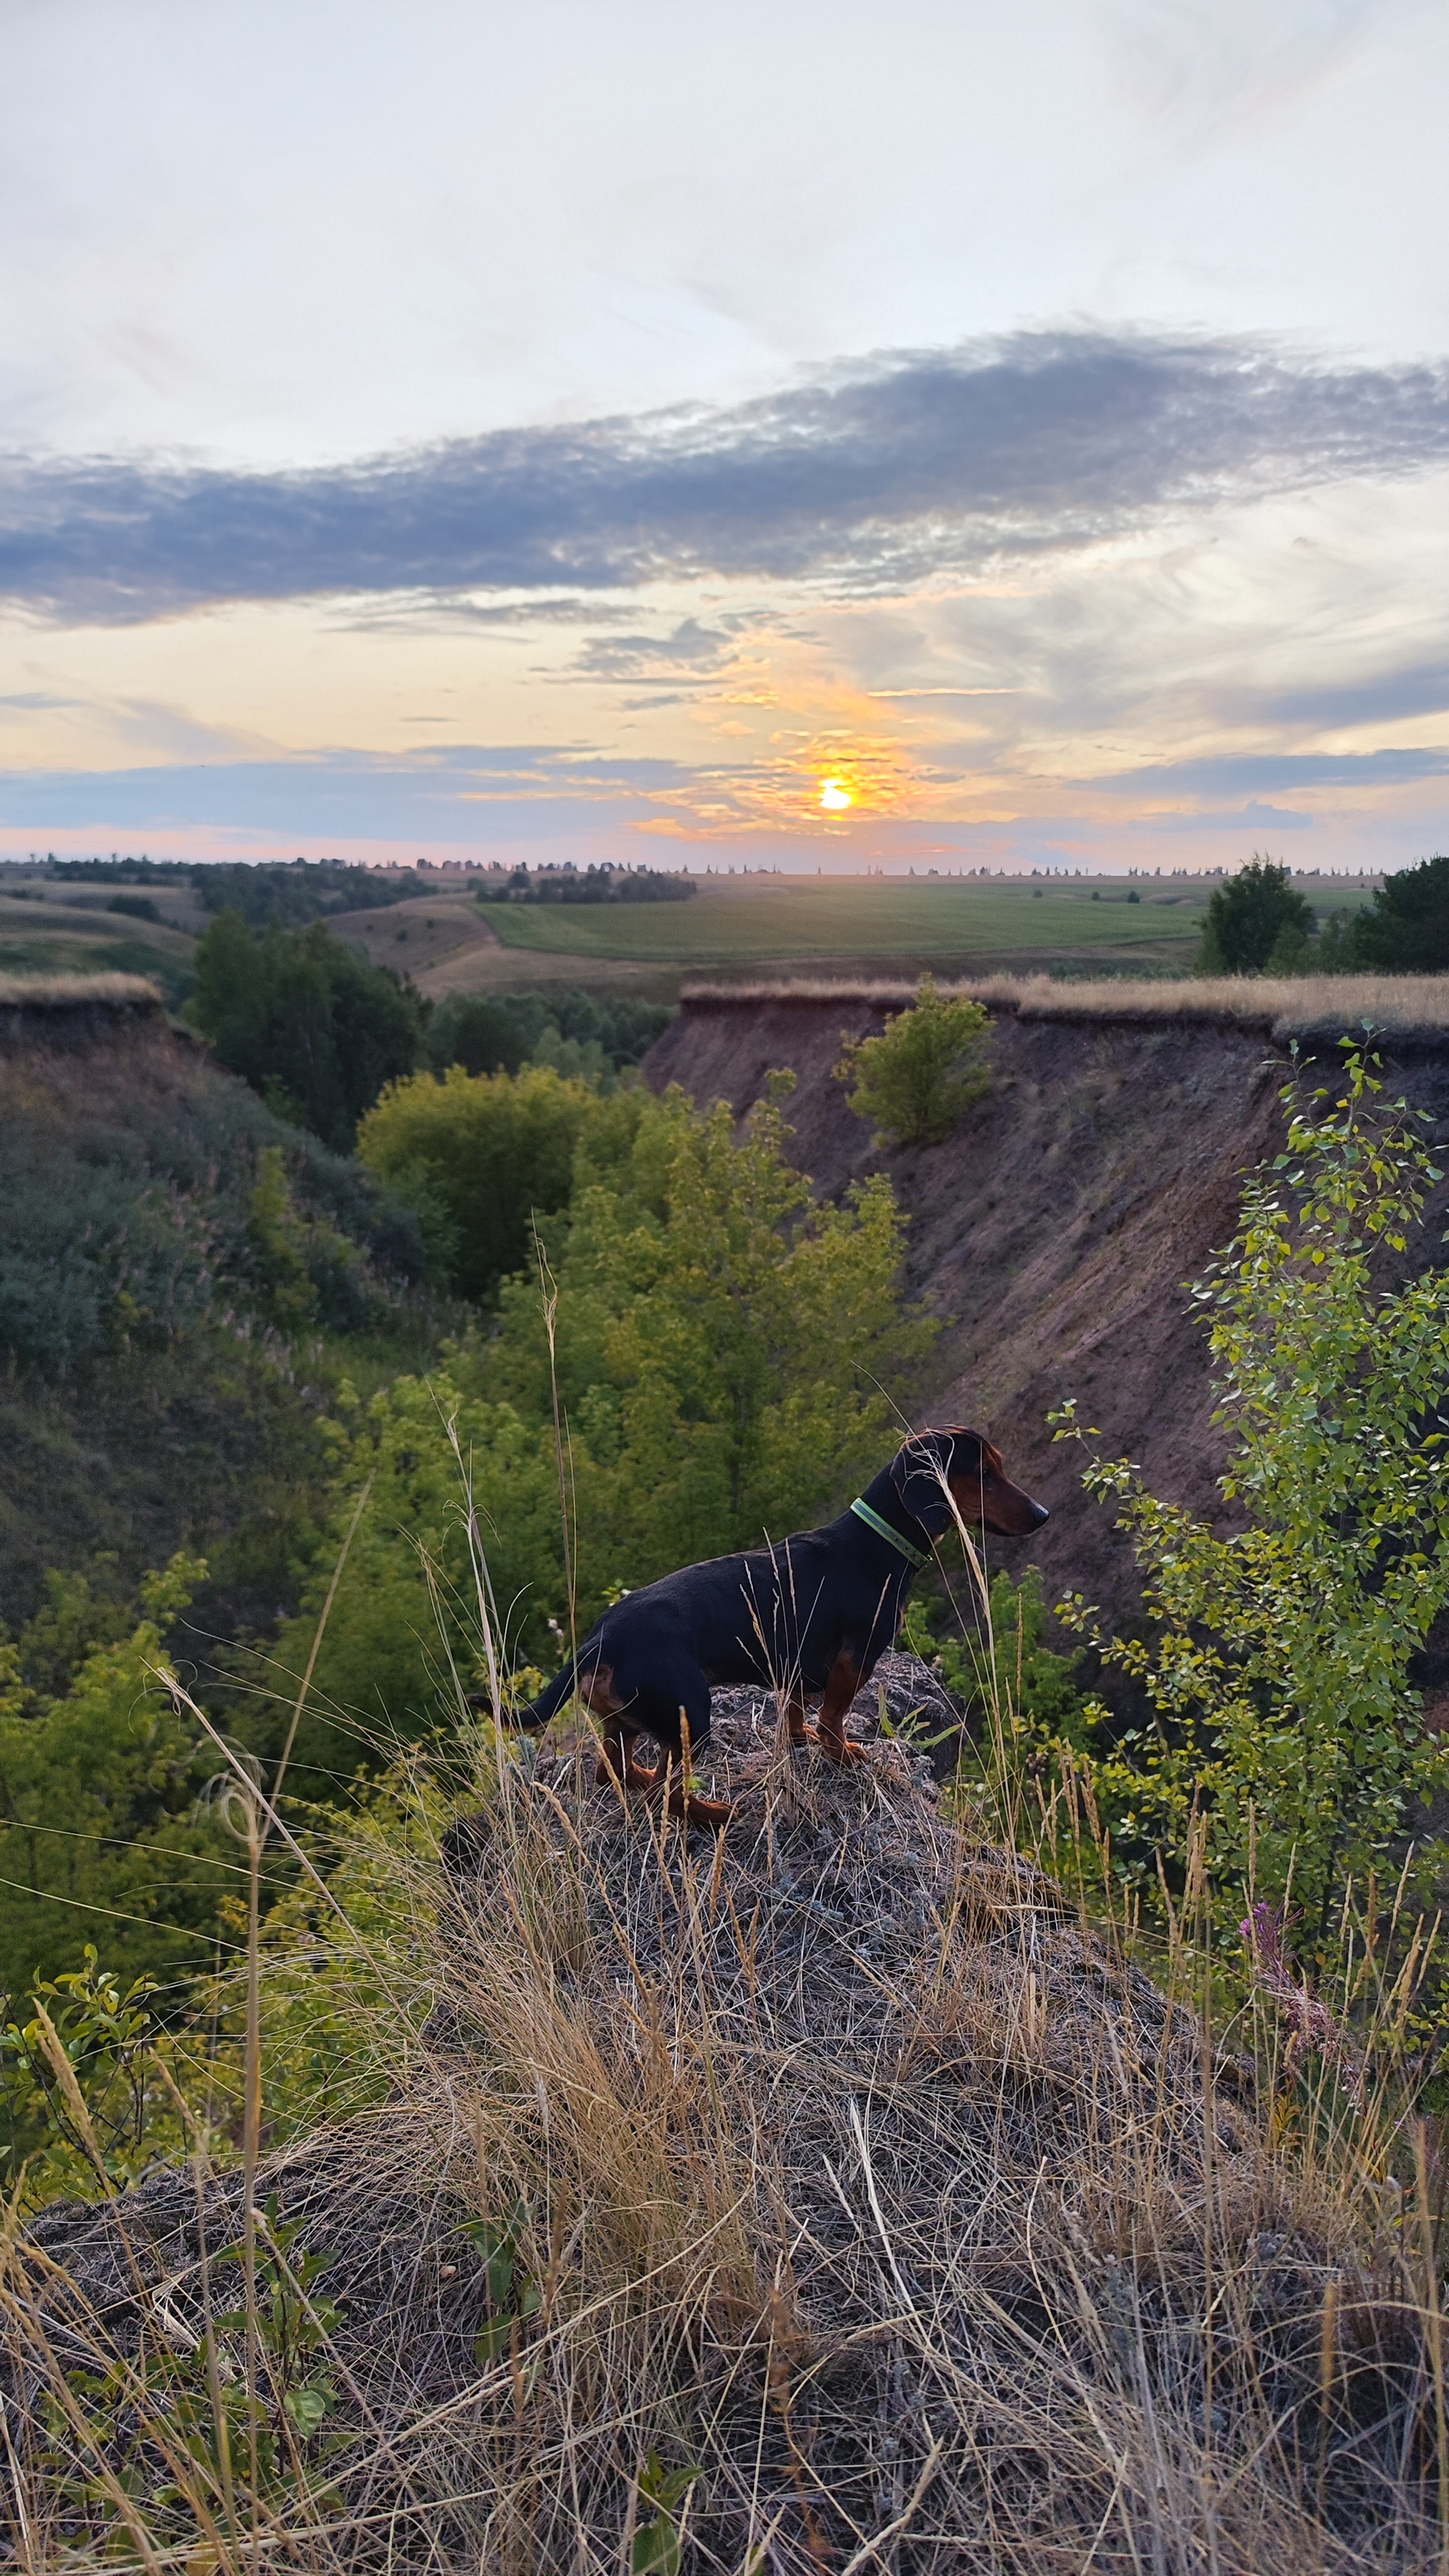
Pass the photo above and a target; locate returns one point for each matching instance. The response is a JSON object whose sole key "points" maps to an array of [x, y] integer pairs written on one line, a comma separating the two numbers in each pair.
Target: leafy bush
{"points": [[1277, 1674], [1001, 1668], [305, 1270], [1256, 924], [313, 1028], [89, 2085], [720, 1349], [98, 1808], [478, 1157], [916, 1081]]}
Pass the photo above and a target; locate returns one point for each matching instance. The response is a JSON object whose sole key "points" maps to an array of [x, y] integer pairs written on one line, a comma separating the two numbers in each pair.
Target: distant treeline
{"points": [[602, 884], [289, 895], [285, 897]]}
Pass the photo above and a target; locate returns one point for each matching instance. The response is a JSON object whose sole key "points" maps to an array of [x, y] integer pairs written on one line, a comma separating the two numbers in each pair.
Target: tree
{"points": [[918, 1078], [1278, 1677], [1255, 923], [310, 1025], [1405, 930]]}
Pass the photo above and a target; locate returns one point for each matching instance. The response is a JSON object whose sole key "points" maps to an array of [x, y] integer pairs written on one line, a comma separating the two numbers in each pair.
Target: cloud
{"points": [[865, 478], [1245, 773], [1252, 817], [691, 652], [443, 793], [1384, 697]]}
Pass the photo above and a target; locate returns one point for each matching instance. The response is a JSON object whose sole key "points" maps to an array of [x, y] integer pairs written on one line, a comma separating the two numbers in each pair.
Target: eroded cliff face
{"points": [[1053, 1233]]}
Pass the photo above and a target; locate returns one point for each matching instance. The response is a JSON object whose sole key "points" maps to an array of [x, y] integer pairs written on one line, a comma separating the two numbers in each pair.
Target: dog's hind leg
{"points": [[616, 1763], [675, 1711], [840, 1690]]}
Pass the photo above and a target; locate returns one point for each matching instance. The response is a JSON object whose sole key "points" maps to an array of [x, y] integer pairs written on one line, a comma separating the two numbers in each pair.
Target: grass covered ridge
{"points": [[1281, 1004]]}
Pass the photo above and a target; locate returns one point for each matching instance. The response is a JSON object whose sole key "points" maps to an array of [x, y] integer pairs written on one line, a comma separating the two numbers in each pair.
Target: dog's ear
{"points": [[920, 1469]]}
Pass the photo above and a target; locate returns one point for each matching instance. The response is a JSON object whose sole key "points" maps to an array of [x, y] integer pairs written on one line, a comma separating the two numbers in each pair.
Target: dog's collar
{"points": [[882, 1529]]}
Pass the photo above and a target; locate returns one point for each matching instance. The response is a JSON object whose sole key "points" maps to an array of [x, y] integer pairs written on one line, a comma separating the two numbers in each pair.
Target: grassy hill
{"points": [[155, 1393]]}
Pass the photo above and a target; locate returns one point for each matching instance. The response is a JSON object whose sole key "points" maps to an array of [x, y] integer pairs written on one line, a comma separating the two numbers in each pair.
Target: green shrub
{"points": [[305, 1270], [721, 1348], [98, 1808], [1256, 924], [89, 2085], [485, 1153], [1282, 1715], [1021, 1698], [916, 1081]]}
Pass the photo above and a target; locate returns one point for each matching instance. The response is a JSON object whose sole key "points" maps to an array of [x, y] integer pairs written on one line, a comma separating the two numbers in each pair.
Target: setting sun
{"points": [[835, 799]]}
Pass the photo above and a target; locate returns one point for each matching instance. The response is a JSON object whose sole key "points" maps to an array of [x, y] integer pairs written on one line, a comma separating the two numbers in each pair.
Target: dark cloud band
{"points": [[870, 478]]}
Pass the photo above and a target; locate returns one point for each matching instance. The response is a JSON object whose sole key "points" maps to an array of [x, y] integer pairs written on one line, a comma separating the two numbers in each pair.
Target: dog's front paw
{"points": [[839, 1749]]}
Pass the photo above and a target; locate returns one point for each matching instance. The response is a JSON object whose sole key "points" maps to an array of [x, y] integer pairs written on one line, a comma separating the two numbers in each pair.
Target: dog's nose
{"points": [[1039, 1513]]}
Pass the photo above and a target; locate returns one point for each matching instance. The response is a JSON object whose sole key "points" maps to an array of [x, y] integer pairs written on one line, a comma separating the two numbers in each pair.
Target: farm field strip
{"points": [[747, 919]]}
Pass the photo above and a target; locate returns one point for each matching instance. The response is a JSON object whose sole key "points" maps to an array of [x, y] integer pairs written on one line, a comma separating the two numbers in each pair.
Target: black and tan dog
{"points": [[809, 1617]]}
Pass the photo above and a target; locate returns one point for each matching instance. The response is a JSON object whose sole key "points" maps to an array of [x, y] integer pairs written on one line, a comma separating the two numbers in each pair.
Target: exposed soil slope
{"points": [[1054, 1232]]}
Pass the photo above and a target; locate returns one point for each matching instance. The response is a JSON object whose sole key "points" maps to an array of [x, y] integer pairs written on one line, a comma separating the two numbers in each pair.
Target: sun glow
{"points": [[835, 798]]}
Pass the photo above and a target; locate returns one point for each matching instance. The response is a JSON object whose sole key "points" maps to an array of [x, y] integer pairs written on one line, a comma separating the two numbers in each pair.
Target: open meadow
{"points": [[448, 942]]}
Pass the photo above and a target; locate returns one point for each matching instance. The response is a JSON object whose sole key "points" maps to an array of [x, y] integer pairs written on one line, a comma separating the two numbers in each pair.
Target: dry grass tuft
{"points": [[837, 2167], [62, 992], [1285, 1005]]}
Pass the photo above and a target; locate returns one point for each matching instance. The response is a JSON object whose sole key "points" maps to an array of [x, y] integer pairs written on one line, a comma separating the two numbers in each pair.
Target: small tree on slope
{"points": [[1278, 1674], [916, 1081]]}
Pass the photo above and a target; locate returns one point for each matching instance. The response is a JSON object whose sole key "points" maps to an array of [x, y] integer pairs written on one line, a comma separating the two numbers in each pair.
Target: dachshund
{"points": [[810, 1617]]}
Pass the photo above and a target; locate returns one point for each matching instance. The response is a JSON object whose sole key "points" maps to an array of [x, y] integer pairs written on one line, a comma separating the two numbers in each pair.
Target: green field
{"points": [[751, 921], [449, 942]]}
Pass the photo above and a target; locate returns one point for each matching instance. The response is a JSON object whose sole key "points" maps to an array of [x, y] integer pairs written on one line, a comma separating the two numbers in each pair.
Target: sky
{"points": [[785, 435]]}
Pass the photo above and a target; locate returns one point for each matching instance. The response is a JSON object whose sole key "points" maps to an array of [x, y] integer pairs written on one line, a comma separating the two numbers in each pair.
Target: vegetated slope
{"points": [[154, 1366], [838, 2170], [1053, 1233]]}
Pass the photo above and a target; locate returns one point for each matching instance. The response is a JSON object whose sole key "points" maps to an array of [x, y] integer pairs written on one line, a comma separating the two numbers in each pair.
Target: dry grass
{"points": [[61, 992], [1282, 1004], [849, 2172]]}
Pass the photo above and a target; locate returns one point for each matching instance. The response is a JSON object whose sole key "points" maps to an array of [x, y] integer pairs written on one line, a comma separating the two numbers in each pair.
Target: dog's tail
{"points": [[534, 1717]]}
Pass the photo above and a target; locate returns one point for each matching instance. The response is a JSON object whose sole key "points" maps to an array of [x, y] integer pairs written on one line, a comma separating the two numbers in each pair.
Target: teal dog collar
{"points": [[882, 1529]]}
